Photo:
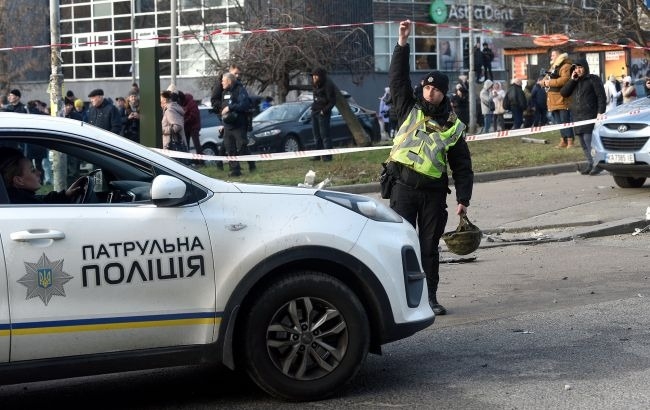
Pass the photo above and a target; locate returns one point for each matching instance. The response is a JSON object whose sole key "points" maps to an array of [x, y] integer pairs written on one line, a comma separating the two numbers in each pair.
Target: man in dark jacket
{"points": [[15, 105], [321, 110], [430, 137], [478, 64], [103, 114], [538, 103], [585, 89], [235, 104], [517, 103]]}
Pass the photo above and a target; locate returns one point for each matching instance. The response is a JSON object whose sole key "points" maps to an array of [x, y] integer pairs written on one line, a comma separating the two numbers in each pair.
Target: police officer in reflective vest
{"points": [[430, 139]]}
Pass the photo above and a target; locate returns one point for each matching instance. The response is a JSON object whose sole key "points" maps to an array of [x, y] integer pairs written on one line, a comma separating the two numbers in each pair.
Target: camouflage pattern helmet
{"points": [[465, 239]]}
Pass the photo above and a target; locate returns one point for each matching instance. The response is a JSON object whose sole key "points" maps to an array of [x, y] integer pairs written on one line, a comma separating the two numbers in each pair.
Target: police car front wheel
{"points": [[305, 336]]}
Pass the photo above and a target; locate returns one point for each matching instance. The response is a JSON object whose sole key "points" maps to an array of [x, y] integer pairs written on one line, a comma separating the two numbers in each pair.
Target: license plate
{"points": [[620, 159]]}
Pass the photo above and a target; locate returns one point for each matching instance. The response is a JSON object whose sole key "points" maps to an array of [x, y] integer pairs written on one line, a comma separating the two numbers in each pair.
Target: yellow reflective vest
{"points": [[422, 144]]}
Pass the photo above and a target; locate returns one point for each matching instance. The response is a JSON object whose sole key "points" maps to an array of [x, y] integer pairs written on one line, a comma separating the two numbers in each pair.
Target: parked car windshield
{"points": [[282, 112]]}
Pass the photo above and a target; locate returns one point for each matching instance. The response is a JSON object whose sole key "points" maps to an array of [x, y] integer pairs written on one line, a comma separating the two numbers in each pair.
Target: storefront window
{"points": [[423, 42]]}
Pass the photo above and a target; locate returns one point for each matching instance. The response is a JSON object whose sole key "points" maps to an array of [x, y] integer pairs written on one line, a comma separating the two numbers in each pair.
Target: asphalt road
{"points": [[537, 324]]}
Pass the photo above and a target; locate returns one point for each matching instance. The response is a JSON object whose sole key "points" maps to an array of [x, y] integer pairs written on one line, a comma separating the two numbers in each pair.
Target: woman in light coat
{"points": [[498, 93], [485, 96], [172, 120]]}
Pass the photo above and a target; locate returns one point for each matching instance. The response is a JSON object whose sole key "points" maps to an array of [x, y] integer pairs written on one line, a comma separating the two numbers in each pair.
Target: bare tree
{"points": [[282, 51], [23, 62], [610, 21]]}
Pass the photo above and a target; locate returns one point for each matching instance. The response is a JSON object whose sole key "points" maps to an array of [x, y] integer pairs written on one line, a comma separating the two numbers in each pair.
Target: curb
{"points": [[623, 226], [479, 177]]}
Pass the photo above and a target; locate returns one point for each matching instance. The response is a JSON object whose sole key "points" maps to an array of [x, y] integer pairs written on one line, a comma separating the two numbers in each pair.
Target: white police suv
{"points": [[155, 264]]}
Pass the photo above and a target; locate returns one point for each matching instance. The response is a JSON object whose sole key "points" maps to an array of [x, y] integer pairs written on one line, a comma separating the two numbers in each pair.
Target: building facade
{"points": [[104, 37]]}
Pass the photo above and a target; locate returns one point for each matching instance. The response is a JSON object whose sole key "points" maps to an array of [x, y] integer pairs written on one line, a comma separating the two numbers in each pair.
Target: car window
{"points": [[208, 118], [282, 112], [117, 178]]}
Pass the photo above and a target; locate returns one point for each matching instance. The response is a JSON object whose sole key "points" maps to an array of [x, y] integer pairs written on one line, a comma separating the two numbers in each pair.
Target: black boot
{"points": [[437, 308]]}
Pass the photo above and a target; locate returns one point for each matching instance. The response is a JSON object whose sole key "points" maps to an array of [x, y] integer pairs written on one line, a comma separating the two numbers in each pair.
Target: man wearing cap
{"points": [[14, 102], [429, 139], [103, 114]]}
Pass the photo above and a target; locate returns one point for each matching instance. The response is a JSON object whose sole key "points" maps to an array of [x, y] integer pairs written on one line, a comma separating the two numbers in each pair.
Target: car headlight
{"points": [[269, 133], [368, 207]]}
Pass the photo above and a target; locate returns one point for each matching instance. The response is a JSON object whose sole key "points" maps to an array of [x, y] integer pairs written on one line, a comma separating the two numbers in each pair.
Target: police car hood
{"points": [[274, 189]]}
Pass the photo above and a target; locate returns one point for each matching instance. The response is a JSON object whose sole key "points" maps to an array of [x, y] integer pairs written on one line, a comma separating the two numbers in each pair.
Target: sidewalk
{"points": [[545, 203]]}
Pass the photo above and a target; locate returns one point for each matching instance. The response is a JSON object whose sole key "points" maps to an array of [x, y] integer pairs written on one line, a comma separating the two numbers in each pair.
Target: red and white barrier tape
{"points": [[219, 32], [336, 151]]}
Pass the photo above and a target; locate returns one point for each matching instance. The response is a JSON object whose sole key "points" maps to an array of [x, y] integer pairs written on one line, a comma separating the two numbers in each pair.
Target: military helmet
{"points": [[465, 239]]}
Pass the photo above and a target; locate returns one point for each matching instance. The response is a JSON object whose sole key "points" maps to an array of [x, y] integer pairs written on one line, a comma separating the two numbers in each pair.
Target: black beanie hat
{"points": [[436, 79], [15, 92]]}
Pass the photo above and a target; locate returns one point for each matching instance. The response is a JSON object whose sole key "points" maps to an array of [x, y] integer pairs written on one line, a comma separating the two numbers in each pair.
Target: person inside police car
{"points": [[22, 181], [427, 120], [588, 101]]}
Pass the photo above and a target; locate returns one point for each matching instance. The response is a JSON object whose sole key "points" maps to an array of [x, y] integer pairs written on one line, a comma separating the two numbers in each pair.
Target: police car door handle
{"points": [[36, 234]]}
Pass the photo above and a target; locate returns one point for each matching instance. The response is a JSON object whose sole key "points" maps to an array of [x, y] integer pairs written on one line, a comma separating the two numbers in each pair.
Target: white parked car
{"points": [[155, 264], [621, 143]]}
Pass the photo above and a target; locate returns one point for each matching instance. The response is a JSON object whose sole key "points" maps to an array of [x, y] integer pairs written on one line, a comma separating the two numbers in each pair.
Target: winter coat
{"points": [[587, 98], [561, 73], [611, 95], [538, 98], [629, 93], [19, 107], [498, 94], [172, 122], [516, 97], [192, 116], [106, 116], [384, 108], [237, 101], [485, 95], [324, 94], [24, 196]]}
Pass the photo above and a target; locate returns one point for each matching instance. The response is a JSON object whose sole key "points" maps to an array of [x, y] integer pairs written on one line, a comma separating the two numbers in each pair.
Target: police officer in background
{"points": [[430, 137]]}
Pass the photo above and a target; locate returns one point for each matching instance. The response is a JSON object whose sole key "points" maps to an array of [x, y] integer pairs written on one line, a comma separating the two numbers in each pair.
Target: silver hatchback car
{"points": [[621, 143]]}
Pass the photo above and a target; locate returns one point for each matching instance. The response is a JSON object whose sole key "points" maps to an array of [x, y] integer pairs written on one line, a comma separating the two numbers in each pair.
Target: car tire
{"points": [[629, 182], [305, 336], [210, 149], [291, 144]]}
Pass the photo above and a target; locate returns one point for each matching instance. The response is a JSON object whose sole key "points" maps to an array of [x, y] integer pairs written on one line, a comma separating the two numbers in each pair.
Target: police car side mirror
{"points": [[167, 191]]}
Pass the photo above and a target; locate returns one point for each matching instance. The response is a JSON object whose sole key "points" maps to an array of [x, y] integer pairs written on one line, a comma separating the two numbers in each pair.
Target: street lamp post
{"points": [[472, 73]]}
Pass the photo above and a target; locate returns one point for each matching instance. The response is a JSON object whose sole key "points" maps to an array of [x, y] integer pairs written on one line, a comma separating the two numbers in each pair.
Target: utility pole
{"points": [[59, 161], [472, 74], [133, 55], [174, 51]]}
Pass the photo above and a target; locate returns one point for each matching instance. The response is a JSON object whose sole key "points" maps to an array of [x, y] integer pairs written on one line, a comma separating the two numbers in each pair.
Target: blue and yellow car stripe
{"points": [[110, 323]]}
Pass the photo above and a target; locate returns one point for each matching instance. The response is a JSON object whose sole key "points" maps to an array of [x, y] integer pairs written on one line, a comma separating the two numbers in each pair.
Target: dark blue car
{"points": [[287, 127]]}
